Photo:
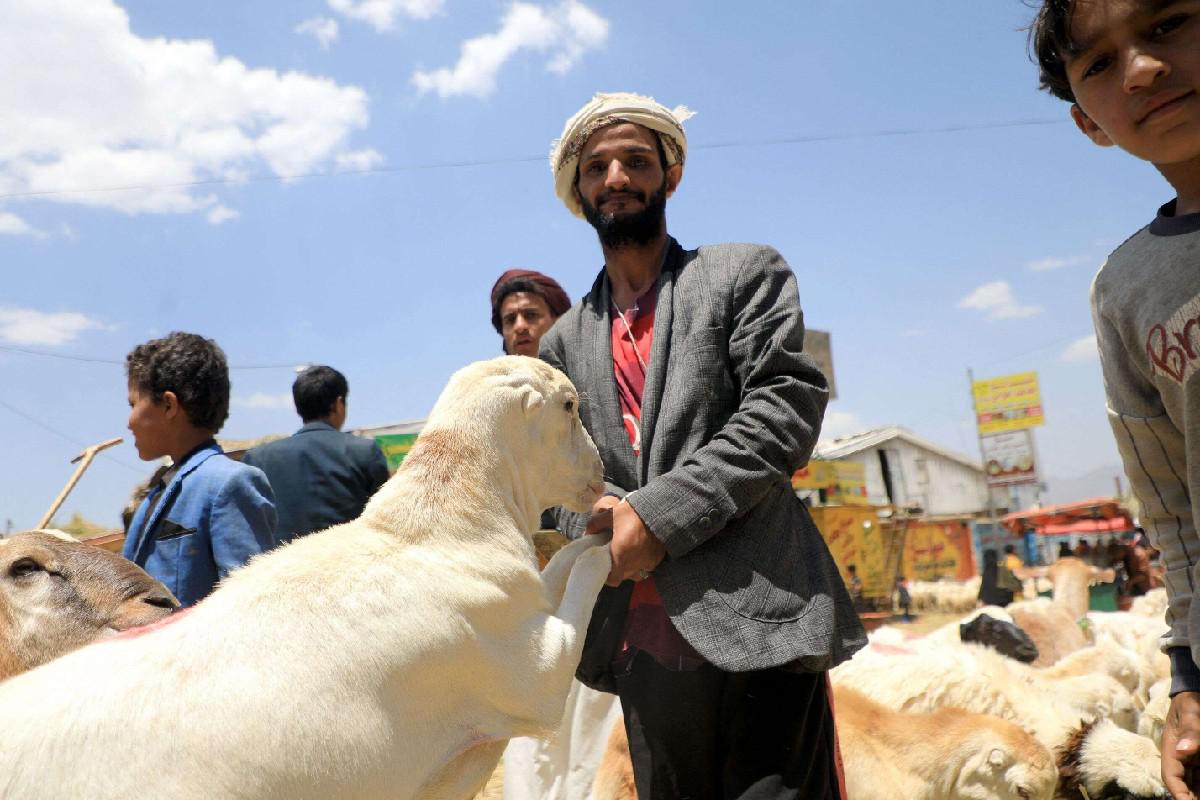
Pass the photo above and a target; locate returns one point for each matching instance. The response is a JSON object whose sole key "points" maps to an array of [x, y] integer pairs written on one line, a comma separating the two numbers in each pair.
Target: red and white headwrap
{"points": [[609, 109]]}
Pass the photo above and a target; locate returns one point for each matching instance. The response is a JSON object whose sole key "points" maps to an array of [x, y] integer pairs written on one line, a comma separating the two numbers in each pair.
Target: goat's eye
{"points": [[569, 406], [24, 566]]}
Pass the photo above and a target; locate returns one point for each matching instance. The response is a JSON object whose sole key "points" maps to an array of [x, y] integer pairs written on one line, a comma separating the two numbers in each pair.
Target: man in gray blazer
{"points": [[321, 476], [725, 608]]}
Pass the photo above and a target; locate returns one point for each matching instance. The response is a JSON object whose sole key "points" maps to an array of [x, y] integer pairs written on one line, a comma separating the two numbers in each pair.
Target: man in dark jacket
{"points": [[321, 476]]}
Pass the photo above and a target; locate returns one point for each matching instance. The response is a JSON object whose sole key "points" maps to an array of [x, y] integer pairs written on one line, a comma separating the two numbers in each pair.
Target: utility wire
{"points": [[787, 140], [61, 435]]}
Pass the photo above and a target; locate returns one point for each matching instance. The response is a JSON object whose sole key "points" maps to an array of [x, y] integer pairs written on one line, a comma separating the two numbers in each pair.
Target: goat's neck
{"points": [[523, 498], [483, 493]]}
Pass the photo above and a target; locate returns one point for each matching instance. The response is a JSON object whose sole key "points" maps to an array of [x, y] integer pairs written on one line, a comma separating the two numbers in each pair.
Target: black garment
{"points": [[714, 735], [989, 592], [321, 477]]}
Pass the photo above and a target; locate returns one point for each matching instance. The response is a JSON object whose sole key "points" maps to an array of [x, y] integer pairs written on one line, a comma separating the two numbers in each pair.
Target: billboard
{"points": [[1007, 403], [854, 536], [1008, 458], [395, 447], [937, 550], [844, 482], [819, 345]]}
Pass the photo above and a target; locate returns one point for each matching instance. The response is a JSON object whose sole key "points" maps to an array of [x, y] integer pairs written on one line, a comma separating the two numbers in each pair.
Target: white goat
{"points": [[978, 679], [391, 656]]}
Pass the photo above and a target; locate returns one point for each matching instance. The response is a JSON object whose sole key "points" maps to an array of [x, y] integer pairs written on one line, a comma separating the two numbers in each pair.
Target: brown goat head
{"points": [[57, 594]]}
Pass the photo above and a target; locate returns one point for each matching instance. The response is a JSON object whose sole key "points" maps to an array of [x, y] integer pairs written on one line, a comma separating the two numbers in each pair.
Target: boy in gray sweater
{"points": [[1131, 71]]}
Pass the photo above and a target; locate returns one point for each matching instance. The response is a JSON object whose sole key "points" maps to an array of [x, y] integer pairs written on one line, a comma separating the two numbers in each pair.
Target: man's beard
{"points": [[628, 230]]}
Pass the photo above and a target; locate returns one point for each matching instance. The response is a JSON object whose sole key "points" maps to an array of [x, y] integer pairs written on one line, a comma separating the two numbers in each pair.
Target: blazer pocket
{"points": [[172, 530]]}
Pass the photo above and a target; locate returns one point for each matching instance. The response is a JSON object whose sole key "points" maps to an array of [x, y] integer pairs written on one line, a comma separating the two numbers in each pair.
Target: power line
{"points": [[121, 361], [61, 435], [787, 140]]}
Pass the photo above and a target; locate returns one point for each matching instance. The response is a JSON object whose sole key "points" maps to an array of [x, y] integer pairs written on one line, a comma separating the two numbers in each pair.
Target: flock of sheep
{"points": [[948, 719]]}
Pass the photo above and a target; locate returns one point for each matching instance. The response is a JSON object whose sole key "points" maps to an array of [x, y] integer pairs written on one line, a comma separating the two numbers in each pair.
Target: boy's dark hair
{"points": [[1050, 43], [315, 391], [189, 365]]}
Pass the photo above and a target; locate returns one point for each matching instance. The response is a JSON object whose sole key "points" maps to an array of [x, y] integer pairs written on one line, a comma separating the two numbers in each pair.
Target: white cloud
{"points": [[27, 326], [263, 400], [12, 225], [106, 108], [839, 423], [564, 33], [1082, 349], [1052, 262], [997, 301], [358, 160], [323, 29], [382, 14], [218, 214]]}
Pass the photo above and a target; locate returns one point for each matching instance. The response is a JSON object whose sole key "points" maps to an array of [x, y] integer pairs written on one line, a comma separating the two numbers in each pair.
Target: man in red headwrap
{"points": [[524, 306]]}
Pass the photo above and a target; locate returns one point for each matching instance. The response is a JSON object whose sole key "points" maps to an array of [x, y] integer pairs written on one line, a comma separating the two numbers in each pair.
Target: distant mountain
{"points": [[1096, 482]]}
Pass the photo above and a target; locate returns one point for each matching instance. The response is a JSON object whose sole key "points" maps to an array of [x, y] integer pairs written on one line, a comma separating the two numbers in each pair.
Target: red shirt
{"points": [[647, 626]]}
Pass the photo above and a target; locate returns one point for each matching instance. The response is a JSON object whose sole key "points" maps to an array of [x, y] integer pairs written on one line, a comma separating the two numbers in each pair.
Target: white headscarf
{"points": [[609, 109]]}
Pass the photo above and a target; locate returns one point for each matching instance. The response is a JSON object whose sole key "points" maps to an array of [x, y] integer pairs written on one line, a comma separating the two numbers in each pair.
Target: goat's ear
{"points": [[996, 757], [531, 400]]}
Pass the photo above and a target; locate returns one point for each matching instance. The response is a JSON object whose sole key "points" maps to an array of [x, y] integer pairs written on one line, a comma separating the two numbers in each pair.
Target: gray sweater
{"points": [[1146, 308]]}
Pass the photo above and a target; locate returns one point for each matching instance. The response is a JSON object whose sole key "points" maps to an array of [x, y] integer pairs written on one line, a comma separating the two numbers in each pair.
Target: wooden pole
{"points": [[84, 459]]}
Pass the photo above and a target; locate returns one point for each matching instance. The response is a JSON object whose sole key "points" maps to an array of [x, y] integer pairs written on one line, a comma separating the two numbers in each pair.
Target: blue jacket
{"points": [[320, 476], [213, 516]]}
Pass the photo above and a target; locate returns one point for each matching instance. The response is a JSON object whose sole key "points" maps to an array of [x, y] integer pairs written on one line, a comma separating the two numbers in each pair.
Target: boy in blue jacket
{"points": [[208, 514]]}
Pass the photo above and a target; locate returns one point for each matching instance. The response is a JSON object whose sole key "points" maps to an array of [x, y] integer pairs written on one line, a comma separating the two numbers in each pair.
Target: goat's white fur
{"points": [[391, 656]]}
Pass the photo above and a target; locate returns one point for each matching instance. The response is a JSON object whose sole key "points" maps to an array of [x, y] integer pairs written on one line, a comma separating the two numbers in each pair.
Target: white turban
{"points": [[610, 109]]}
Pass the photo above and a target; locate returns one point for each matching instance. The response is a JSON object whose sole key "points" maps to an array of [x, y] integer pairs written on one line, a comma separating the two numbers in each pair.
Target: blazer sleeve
{"points": [[242, 524], [769, 436]]}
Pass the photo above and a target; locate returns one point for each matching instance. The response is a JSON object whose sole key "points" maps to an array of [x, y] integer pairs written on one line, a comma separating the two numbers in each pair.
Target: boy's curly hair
{"points": [[189, 365], [1050, 43]]}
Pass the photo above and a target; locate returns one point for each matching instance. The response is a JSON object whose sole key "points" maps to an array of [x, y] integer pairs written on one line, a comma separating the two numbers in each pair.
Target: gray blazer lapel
{"points": [[598, 328], [660, 353]]}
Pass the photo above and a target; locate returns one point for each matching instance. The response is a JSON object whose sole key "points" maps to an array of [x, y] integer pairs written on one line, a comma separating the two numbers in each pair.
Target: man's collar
{"points": [[317, 425]]}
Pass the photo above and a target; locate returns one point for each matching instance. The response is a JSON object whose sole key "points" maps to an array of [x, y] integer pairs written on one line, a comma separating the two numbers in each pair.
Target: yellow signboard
{"points": [[854, 536], [813, 475], [843, 482], [934, 550], [1008, 403]]}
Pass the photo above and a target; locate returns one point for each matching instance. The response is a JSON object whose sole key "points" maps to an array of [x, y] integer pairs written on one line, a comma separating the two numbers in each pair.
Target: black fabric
{"points": [[990, 594], [1003, 637], [1168, 223], [707, 734], [603, 637], [1185, 676]]}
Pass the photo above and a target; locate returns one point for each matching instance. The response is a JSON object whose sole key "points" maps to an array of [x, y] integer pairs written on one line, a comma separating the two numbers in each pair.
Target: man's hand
{"points": [[1180, 742], [601, 519], [635, 551]]}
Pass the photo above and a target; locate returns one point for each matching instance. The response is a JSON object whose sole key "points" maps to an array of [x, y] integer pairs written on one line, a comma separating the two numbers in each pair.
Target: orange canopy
{"points": [[1097, 515]]}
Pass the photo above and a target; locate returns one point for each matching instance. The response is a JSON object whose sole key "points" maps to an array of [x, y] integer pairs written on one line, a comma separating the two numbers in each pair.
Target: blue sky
{"points": [[939, 211]]}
